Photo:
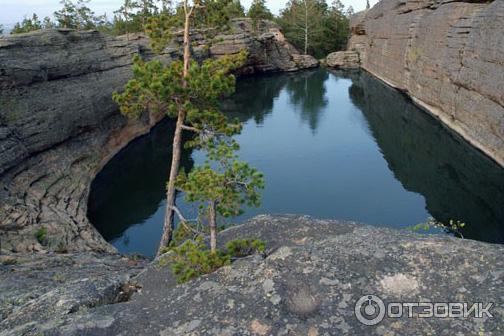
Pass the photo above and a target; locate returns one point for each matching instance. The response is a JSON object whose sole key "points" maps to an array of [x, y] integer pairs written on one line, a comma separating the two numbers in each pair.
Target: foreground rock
{"points": [[38, 287], [308, 284], [59, 125], [448, 56]]}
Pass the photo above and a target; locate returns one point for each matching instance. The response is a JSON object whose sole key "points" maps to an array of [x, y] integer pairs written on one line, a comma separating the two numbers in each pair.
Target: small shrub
{"points": [[453, 226], [41, 235], [193, 259], [240, 248]]}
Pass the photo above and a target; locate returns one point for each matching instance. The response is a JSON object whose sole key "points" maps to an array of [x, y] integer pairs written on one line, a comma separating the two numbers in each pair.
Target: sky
{"points": [[12, 11]]}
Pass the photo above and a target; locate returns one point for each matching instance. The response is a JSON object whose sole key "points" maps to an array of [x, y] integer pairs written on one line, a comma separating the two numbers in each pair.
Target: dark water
{"points": [[331, 145]]}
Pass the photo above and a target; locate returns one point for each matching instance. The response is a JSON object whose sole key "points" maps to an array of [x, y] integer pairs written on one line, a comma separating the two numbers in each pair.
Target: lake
{"points": [[339, 145]]}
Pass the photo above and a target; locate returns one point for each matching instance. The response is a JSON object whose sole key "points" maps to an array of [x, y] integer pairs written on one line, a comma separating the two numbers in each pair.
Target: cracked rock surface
{"points": [[59, 125], [308, 283]]}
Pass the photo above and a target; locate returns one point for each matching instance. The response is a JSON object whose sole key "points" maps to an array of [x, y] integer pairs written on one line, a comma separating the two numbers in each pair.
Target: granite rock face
{"points": [[268, 49], [34, 287], [448, 56], [343, 59], [307, 283], [59, 125]]}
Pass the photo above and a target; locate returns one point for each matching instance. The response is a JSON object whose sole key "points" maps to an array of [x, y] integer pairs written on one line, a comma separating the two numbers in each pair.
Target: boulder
{"points": [[343, 59]]}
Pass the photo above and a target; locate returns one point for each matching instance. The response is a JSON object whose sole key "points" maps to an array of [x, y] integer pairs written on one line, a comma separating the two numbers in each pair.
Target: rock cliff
{"points": [[307, 283], [59, 125], [447, 55]]}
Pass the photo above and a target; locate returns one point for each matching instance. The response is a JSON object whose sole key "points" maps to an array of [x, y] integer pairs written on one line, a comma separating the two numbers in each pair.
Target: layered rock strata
{"points": [[59, 125], [308, 282], [447, 55]]}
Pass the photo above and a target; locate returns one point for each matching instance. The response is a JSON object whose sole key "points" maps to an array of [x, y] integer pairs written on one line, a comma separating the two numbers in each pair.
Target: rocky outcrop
{"points": [[268, 49], [447, 55], [343, 59], [59, 125], [307, 283], [60, 284]]}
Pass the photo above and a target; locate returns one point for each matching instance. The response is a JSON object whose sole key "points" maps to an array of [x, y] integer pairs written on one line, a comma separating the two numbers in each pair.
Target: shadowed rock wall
{"points": [[59, 125], [448, 55]]}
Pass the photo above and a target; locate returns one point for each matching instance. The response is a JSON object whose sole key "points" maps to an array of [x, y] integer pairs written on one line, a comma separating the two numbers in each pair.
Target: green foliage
{"points": [[453, 226], [228, 183], [192, 258], [239, 248], [71, 15], [159, 29], [154, 17], [191, 91], [234, 9], [159, 87], [258, 11], [325, 28], [27, 25], [185, 231], [217, 13], [77, 16], [133, 16], [212, 13], [41, 235]]}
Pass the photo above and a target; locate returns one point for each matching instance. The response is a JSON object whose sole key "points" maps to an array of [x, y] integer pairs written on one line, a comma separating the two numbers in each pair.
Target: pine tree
{"points": [[66, 17], [234, 9], [315, 28], [77, 16], [190, 92], [223, 183], [27, 25], [258, 11], [367, 4], [124, 18]]}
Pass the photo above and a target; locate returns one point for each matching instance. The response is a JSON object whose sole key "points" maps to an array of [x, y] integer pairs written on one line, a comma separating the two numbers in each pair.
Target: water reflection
{"points": [[131, 188], [254, 99], [307, 94], [457, 181], [340, 145]]}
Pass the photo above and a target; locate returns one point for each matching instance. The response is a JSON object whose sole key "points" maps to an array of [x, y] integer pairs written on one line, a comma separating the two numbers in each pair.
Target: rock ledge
{"points": [[308, 283]]}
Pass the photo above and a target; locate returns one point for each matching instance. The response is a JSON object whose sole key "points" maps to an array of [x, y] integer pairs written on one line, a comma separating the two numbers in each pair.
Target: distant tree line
{"points": [[132, 16], [72, 15], [312, 26], [315, 27]]}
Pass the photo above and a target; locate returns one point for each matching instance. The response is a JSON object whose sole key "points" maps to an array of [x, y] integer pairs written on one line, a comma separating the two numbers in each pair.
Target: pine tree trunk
{"points": [[212, 221], [177, 146], [171, 191]]}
